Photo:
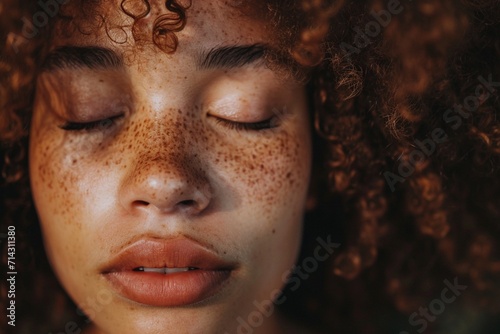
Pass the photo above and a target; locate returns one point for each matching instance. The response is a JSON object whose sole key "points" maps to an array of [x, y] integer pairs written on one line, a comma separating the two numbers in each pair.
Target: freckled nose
{"points": [[166, 186]]}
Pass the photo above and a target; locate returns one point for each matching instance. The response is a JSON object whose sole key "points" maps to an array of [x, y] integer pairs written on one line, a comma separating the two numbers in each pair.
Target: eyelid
{"points": [[236, 107], [100, 124], [276, 119], [266, 124]]}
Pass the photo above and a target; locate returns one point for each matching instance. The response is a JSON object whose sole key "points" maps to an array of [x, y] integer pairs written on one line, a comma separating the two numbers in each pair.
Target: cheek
{"points": [[271, 177], [274, 177], [275, 174], [58, 188], [52, 186]]}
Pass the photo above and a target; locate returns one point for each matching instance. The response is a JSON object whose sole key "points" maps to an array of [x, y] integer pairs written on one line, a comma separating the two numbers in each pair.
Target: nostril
{"points": [[167, 196], [188, 202], [141, 203]]}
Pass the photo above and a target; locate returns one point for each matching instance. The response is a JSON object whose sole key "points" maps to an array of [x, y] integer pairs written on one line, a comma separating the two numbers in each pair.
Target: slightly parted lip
{"points": [[171, 253], [210, 276]]}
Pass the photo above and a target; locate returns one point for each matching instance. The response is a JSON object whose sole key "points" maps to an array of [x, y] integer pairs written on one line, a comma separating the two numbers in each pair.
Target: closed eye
{"points": [[256, 126], [102, 124]]}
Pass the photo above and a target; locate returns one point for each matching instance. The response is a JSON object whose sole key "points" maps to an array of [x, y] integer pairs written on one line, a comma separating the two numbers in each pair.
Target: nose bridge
{"points": [[163, 135], [166, 145], [162, 132], [166, 164]]}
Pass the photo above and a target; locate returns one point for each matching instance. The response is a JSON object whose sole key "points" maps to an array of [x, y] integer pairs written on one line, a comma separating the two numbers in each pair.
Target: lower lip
{"points": [[177, 289]]}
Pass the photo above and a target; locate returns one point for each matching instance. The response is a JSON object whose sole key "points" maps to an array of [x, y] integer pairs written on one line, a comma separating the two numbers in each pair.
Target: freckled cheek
{"points": [[57, 191], [279, 173], [272, 178]]}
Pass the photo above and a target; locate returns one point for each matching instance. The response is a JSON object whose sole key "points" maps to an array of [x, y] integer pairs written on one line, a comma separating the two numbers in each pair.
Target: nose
{"points": [[166, 184]]}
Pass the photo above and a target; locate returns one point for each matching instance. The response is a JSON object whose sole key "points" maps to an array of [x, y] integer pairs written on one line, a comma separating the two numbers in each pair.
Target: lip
{"points": [[167, 290]]}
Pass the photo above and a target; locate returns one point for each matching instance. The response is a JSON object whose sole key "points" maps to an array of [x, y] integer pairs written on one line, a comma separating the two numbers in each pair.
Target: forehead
{"points": [[128, 28], [139, 25]]}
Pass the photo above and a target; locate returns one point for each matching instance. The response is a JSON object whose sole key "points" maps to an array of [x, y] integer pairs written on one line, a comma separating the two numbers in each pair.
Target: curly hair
{"points": [[405, 102]]}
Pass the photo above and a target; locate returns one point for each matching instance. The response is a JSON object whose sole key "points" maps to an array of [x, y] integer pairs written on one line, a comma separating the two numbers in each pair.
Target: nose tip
{"points": [[160, 186]]}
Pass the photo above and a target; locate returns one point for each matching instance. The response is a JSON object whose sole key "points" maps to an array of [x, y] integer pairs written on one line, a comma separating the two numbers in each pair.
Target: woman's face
{"points": [[197, 162]]}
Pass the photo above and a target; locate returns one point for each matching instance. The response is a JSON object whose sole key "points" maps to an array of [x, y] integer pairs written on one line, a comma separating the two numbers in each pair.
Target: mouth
{"points": [[164, 270], [167, 273]]}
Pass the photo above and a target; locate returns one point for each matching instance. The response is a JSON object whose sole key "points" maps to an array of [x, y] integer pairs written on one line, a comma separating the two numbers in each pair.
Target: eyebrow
{"points": [[94, 57], [77, 57], [228, 57]]}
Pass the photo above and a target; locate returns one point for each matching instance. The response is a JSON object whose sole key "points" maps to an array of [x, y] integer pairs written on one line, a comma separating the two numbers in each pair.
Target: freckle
{"points": [[274, 231]]}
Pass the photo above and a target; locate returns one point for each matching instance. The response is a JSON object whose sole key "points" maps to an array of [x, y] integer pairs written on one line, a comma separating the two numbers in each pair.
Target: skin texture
{"points": [[169, 168]]}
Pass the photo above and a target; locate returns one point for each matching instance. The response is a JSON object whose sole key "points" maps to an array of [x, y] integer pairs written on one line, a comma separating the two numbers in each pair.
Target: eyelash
{"points": [[91, 126], [109, 122], [257, 126]]}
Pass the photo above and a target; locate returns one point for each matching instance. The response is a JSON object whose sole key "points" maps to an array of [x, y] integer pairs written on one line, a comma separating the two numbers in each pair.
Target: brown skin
{"points": [[97, 191]]}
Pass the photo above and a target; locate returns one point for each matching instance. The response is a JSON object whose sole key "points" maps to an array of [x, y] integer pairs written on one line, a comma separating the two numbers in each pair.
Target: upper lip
{"points": [[170, 253]]}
